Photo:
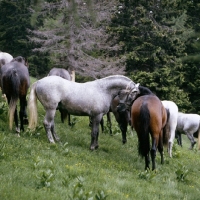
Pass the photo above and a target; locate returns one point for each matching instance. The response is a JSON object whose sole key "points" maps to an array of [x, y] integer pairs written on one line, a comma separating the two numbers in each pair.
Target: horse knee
{"points": [[153, 153]]}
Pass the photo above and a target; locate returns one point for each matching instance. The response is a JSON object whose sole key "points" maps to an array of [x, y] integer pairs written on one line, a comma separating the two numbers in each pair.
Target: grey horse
{"points": [[82, 99], [189, 124]]}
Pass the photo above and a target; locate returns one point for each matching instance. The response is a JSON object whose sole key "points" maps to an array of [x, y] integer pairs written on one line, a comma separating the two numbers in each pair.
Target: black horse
{"points": [[15, 82], [122, 116]]}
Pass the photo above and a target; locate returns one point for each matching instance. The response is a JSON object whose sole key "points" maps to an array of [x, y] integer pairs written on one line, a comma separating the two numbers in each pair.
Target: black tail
{"points": [[166, 129], [143, 134]]}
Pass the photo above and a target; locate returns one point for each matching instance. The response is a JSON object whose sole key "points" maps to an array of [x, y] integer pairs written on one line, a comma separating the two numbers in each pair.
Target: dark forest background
{"points": [[155, 43]]}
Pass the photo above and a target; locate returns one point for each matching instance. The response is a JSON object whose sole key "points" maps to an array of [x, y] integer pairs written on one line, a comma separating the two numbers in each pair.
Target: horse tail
{"points": [[14, 84], [166, 129], [143, 136], [199, 137], [32, 107]]}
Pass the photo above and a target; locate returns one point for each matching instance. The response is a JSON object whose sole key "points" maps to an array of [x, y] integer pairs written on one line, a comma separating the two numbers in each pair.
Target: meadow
{"points": [[32, 168]]}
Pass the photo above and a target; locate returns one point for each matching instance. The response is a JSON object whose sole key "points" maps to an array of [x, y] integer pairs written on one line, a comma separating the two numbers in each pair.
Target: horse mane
{"points": [[144, 91]]}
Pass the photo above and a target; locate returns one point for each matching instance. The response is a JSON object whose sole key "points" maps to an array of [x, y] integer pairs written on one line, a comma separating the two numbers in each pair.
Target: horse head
{"points": [[126, 98], [21, 60]]}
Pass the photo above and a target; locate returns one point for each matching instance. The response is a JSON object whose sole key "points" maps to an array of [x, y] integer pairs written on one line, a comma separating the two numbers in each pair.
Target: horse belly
{"points": [[85, 107]]}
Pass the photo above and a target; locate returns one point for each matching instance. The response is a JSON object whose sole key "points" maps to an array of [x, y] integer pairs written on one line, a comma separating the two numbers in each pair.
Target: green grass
{"points": [[31, 168]]}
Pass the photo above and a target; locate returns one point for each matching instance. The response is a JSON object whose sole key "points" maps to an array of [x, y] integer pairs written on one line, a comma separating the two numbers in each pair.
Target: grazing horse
{"points": [[188, 124], [172, 122], [123, 116], [148, 115], [82, 99], [63, 73], [15, 83]]}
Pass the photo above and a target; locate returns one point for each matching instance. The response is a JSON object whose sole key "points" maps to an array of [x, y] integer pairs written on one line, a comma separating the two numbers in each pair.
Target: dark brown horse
{"points": [[66, 75], [122, 117], [148, 115], [15, 82]]}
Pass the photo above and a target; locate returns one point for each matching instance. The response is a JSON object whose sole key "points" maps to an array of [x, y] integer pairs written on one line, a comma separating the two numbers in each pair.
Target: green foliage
{"points": [[46, 177], [147, 175], [14, 21], [3, 108], [181, 172], [154, 37]]}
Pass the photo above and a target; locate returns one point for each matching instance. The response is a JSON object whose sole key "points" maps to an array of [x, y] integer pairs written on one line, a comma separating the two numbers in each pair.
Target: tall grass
{"points": [[32, 168]]}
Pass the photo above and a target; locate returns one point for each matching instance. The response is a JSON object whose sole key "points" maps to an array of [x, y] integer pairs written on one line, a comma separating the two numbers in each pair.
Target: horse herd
{"points": [[131, 104]]}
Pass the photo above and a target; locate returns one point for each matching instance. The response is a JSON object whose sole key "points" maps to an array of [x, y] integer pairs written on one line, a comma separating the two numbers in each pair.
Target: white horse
{"points": [[83, 99], [172, 122], [189, 124], [5, 58]]}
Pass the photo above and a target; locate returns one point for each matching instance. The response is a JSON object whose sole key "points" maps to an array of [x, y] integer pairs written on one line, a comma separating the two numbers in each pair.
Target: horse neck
{"points": [[115, 84]]}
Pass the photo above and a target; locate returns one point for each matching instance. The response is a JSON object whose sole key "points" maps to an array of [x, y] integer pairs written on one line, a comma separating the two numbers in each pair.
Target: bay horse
{"points": [[15, 83], [188, 124], [91, 98], [172, 123], [148, 115], [63, 73]]}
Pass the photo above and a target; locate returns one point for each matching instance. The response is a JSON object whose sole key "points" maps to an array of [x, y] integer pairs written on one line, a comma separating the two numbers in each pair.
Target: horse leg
{"points": [[123, 128], [95, 131], [53, 132], [61, 115], [69, 120], [179, 138], [153, 153], [16, 121], [22, 113], [191, 138], [147, 161], [48, 122], [109, 123], [102, 124], [160, 148]]}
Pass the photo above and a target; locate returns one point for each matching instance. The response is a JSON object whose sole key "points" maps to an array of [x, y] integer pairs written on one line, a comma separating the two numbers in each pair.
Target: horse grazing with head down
{"points": [[82, 99], [148, 115], [15, 82], [188, 124], [63, 73], [123, 117]]}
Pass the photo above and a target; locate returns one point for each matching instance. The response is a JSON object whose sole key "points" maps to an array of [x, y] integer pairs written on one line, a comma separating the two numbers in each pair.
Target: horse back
{"points": [[149, 106], [63, 73], [188, 122], [15, 78]]}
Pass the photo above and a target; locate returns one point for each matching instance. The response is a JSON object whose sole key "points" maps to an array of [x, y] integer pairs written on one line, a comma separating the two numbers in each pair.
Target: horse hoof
{"points": [[93, 147], [25, 121], [17, 130], [124, 141]]}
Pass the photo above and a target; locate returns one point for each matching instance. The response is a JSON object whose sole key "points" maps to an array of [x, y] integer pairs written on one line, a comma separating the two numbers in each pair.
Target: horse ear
{"points": [[137, 85]]}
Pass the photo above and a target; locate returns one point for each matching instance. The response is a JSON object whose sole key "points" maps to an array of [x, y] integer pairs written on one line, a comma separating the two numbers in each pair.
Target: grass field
{"points": [[31, 168]]}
